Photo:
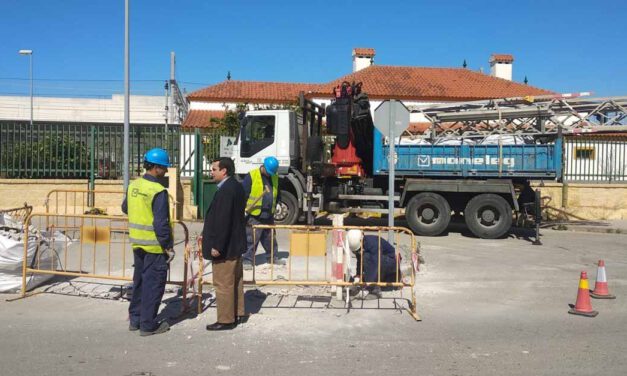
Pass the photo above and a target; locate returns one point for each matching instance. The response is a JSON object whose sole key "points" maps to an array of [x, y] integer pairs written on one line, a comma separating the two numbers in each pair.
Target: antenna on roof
{"points": [[228, 76], [464, 64]]}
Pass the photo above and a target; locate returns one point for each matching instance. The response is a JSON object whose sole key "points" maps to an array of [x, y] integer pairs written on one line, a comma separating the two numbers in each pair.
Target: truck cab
{"points": [[265, 133], [262, 134]]}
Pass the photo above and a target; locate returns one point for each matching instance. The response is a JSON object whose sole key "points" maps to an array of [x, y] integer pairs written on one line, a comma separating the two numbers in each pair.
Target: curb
{"points": [[601, 228]]}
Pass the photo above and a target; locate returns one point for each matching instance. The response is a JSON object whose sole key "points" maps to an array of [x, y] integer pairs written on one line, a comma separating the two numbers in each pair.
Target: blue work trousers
{"points": [[261, 235], [149, 277]]}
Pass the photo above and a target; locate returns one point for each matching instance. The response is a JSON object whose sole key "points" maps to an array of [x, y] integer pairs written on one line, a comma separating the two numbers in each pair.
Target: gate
{"points": [[198, 148]]}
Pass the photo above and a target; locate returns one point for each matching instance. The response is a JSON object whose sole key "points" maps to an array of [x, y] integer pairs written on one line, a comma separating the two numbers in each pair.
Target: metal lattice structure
{"points": [[545, 115]]}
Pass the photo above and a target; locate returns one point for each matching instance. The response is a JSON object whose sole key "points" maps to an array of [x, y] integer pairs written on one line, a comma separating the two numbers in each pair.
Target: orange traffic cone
{"points": [[583, 306], [600, 287]]}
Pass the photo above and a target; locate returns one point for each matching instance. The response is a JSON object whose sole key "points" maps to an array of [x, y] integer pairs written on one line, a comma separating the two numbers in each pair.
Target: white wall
{"points": [[501, 70], [143, 109], [211, 106], [360, 63]]}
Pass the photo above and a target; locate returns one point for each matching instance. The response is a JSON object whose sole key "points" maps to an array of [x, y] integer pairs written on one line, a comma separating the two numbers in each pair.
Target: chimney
{"points": [[362, 58], [501, 66]]}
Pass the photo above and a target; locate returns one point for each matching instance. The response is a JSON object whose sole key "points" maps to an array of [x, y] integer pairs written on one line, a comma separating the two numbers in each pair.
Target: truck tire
{"points": [[428, 214], [488, 216], [286, 212]]}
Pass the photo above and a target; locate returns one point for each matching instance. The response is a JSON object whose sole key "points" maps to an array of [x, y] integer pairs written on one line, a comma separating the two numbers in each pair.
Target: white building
{"points": [[412, 84], [144, 109]]}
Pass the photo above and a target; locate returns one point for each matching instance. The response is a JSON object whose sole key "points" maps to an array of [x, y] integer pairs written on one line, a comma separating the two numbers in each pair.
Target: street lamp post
{"points": [[30, 55]]}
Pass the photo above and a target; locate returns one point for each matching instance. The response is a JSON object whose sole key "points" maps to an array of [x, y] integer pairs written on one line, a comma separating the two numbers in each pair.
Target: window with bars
{"points": [[584, 153]]}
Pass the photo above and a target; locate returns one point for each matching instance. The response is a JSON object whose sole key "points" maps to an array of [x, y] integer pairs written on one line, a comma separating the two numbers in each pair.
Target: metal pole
{"points": [[92, 166], [166, 87], [391, 121], [171, 104], [126, 96], [31, 89]]}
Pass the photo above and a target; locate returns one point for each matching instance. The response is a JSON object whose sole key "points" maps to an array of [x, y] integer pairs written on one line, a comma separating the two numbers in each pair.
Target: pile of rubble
{"points": [[38, 250]]}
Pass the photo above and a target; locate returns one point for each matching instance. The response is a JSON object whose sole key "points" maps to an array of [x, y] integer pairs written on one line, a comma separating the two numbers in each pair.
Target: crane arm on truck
{"points": [[533, 116]]}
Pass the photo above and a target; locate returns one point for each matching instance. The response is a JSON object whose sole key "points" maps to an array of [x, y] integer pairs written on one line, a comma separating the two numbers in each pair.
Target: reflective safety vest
{"points": [[253, 205], [139, 197]]}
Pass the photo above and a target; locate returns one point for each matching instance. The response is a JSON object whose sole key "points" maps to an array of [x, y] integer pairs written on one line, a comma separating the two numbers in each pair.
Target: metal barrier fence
{"points": [[73, 150], [311, 264], [85, 201], [600, 159], [91, 246], [19, 214]]}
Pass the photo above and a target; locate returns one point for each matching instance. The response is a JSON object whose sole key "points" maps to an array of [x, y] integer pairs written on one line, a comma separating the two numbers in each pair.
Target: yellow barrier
{"points": [[308, 255], [89, 246], [85, 201], [19, 214]]}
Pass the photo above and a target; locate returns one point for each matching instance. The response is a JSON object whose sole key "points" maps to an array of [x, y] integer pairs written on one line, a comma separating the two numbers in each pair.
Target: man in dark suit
{"points": [[224, 242]]}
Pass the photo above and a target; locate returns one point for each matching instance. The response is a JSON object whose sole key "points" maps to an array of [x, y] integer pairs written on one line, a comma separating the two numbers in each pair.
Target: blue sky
{"points": [[566, 46]]}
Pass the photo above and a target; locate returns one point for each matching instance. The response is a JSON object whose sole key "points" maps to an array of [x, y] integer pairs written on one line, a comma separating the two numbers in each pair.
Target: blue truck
{"points": [[332, 159]]}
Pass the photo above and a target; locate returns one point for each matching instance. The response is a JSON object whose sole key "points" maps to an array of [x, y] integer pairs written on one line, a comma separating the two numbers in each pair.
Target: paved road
{"points": [[489, 307]]}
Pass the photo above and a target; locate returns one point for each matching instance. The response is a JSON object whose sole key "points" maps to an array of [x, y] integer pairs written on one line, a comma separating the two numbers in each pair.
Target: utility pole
{"points": [[29, 53], [126, 97]]}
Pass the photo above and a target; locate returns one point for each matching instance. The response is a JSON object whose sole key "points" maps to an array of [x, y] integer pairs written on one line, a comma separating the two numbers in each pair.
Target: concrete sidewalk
{"points": [[617, 226]]}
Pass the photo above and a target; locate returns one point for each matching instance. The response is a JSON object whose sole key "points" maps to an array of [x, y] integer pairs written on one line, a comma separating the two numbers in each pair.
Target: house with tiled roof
{"points": [[413, 85]]}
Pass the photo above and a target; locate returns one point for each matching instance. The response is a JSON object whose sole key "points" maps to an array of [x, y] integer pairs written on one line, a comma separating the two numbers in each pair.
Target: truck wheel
{"points": [[286, 212], [428, 214], [488, 216]]}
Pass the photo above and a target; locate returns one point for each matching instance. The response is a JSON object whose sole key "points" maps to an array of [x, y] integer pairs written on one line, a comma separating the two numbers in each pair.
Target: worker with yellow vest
{"points": [[261, 187], [150, 235]]}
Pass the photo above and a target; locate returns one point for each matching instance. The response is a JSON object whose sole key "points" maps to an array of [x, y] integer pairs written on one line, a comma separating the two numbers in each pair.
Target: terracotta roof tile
{"points": [[418, 128], [202, 119], [252, 91], [438, 84], [363, 51], [598, 135], [380, 82], [502, 58]]}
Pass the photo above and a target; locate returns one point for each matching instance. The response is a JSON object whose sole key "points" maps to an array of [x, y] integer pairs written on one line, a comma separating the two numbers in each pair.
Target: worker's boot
{"points": [[161, 328], [279, 261], [374, 292]]}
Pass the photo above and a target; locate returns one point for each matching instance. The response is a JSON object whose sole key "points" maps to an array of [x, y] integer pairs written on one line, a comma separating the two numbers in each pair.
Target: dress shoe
{"points": [[162, 328], [242, 319], [132, 327], [219, 326]]}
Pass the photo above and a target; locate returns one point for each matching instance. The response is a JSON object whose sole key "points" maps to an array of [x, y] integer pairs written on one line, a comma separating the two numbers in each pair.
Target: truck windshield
{"points": [[257, 133]]}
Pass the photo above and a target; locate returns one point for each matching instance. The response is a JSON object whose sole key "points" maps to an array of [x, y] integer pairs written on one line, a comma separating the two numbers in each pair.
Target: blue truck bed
{"points": [[539, 161]]}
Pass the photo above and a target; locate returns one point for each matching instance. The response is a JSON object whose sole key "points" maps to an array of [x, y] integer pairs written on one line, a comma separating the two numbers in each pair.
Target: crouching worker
{"points": [[390, 269]]}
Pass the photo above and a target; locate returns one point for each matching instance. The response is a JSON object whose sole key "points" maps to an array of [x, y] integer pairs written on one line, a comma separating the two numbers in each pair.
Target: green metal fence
{"points": [[72, 150], [208, 140]]}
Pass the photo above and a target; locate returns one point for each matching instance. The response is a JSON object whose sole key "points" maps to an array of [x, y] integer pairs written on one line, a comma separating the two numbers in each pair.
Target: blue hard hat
{"points": [[271, 165], [157, 156]]}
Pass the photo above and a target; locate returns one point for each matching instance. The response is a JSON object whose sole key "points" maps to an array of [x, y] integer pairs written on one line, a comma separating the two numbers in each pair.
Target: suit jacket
{"points": [[225, 224]]}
